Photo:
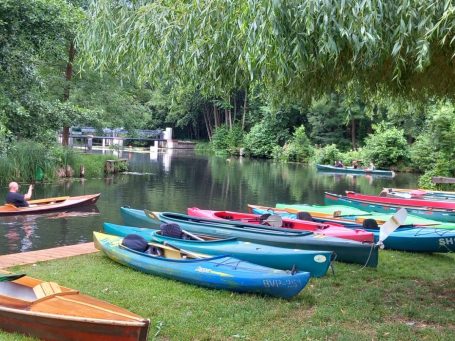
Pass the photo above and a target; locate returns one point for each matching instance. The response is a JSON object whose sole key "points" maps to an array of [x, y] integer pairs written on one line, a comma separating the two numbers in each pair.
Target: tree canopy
{"points": [[294, 48]]}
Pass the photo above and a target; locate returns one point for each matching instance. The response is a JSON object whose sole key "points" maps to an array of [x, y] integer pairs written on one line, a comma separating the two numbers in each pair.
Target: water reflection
{"points": [[173, 181]]}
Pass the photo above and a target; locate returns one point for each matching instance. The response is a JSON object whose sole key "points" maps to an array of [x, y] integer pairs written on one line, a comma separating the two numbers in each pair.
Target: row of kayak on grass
{"points": [[272, 251]]}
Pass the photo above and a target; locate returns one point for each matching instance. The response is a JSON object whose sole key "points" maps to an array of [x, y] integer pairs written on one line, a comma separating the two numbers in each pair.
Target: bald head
{"points": [[13, 186]]}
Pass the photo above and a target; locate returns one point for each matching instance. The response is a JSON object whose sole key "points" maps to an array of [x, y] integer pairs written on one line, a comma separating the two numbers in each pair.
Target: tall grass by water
{"points": [[25, 159]]}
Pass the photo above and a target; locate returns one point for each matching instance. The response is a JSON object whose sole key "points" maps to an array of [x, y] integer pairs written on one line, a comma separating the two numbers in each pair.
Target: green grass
{"points": [[409, 297]]}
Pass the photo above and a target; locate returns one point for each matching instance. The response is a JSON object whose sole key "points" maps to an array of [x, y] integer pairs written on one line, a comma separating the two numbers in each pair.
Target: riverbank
{"points": [[410, 296]]}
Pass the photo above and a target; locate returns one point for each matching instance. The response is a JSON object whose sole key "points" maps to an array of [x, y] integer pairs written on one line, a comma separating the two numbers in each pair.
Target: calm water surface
{"points": [[173, 181]]}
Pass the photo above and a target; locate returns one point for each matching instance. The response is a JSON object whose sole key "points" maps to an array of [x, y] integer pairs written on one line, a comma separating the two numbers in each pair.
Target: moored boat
{"points": [[219, 272], [49, 204], [351, 170], [314, 262], [333, 230], [51, 312], [345, 250], [404, 238], [443, 215], [403, 202]]}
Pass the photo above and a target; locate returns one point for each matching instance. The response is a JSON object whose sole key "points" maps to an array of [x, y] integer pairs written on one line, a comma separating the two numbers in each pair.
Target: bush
{"points": [[386, 147], [442, 167], [327, 155], [227, 140], [299, 149], [261, 140], [423, 153], [353, 155]]}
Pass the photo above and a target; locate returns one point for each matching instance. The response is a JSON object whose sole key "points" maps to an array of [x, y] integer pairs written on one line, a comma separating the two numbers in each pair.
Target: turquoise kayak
{"points": [[220, 272], [351, 170], [345, 250], [405, 238], [314, 262]]}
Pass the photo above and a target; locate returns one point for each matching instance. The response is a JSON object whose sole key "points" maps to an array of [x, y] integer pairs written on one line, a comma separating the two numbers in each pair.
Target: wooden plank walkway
{"points": [[31, 257]]}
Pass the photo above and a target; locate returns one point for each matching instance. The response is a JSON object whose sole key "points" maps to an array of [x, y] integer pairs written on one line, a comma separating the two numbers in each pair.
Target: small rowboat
{"points": [[349, 251], [314, 262], [220, 272], [350, 170], [404, 238], [333, 230], [52, 312], [443, 215], [49, 204], [415, 193]]}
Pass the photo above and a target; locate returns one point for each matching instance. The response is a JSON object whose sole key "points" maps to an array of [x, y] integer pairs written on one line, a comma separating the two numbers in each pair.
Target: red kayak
{"points": [[419, 203], [333, 230]]}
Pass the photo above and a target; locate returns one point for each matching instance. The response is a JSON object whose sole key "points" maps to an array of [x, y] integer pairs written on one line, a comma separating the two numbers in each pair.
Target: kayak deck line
{"points": [[31, 257]]}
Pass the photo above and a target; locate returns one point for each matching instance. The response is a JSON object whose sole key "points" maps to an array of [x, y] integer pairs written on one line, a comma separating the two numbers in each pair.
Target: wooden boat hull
{"points": [[332, 230], [64, 315], [314, 262], [348, 170], [433, 214], [412, 239], [221, 272], [346, 250], [47, 205]]}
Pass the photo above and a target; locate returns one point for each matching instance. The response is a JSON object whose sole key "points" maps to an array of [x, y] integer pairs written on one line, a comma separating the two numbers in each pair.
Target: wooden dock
{"points": [[32, 257]]}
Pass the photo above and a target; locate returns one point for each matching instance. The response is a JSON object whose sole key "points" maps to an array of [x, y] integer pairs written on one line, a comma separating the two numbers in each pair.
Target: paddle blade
{"points": [[274, 220], [391, 225], [10, 277]]}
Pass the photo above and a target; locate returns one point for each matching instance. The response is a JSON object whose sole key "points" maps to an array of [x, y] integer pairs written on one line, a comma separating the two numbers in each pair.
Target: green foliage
{"points": [[386, 147], [227, 140], [298, 149], [423, 152], [353, 155], [441, 167], [295, 48], [327, 155]]}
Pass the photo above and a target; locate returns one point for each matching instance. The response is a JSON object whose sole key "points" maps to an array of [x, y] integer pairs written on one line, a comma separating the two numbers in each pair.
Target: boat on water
{"points": [[49, 204], [351, 170], [219, 272], [404, 238], [49, 311], [419, 194], [349, 251], [314, 262], [442, 215], [333, 229]]}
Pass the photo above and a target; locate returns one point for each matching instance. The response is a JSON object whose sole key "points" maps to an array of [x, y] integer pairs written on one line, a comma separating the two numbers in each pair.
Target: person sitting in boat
{"points": [[371, 167], [17, 199], [339, 164], [355, 165]]}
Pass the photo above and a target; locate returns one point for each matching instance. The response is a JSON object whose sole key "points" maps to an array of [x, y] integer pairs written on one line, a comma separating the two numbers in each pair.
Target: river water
{"points": [[173, 181]]}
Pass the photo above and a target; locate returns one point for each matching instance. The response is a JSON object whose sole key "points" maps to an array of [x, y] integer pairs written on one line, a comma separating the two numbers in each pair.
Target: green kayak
{"points": [[350, 213]]}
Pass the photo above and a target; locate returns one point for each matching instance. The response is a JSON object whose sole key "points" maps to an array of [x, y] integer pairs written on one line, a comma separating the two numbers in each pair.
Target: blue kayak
{"points": [[405, 238], [220, 272], [346, 250], [314, 262]]}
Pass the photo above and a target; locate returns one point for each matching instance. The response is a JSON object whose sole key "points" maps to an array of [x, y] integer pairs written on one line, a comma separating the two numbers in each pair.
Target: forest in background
{"points": [[296, 81]]}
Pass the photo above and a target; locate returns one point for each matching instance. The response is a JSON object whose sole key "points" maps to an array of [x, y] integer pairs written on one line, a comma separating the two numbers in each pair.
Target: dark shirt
{"points": [[16, 199]]}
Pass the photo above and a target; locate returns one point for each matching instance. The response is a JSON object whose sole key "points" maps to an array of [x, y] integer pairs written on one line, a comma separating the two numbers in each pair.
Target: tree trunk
{"points": [[215, 115], [66, 89], [353, 140], [245, 103]]}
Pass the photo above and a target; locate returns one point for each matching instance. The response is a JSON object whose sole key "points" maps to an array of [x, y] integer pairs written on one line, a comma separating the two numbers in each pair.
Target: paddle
{"points": [[391, 225], [193, 236], [189, 253]]}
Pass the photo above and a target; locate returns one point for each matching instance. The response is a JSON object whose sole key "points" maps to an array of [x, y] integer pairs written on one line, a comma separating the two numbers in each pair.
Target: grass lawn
{"points": [[409, 297]]}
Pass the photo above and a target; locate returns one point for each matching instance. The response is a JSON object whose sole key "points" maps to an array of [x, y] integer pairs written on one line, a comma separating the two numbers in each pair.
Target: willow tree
{"points": [[293, 48]]}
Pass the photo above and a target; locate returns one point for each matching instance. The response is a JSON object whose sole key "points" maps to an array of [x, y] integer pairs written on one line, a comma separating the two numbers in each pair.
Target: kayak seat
{"points": [[263, 217], [304, 216], [370, 224]]}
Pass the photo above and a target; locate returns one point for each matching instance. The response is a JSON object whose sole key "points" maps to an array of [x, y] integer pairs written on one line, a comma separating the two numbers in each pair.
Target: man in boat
{"points": [[17, 199]]}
